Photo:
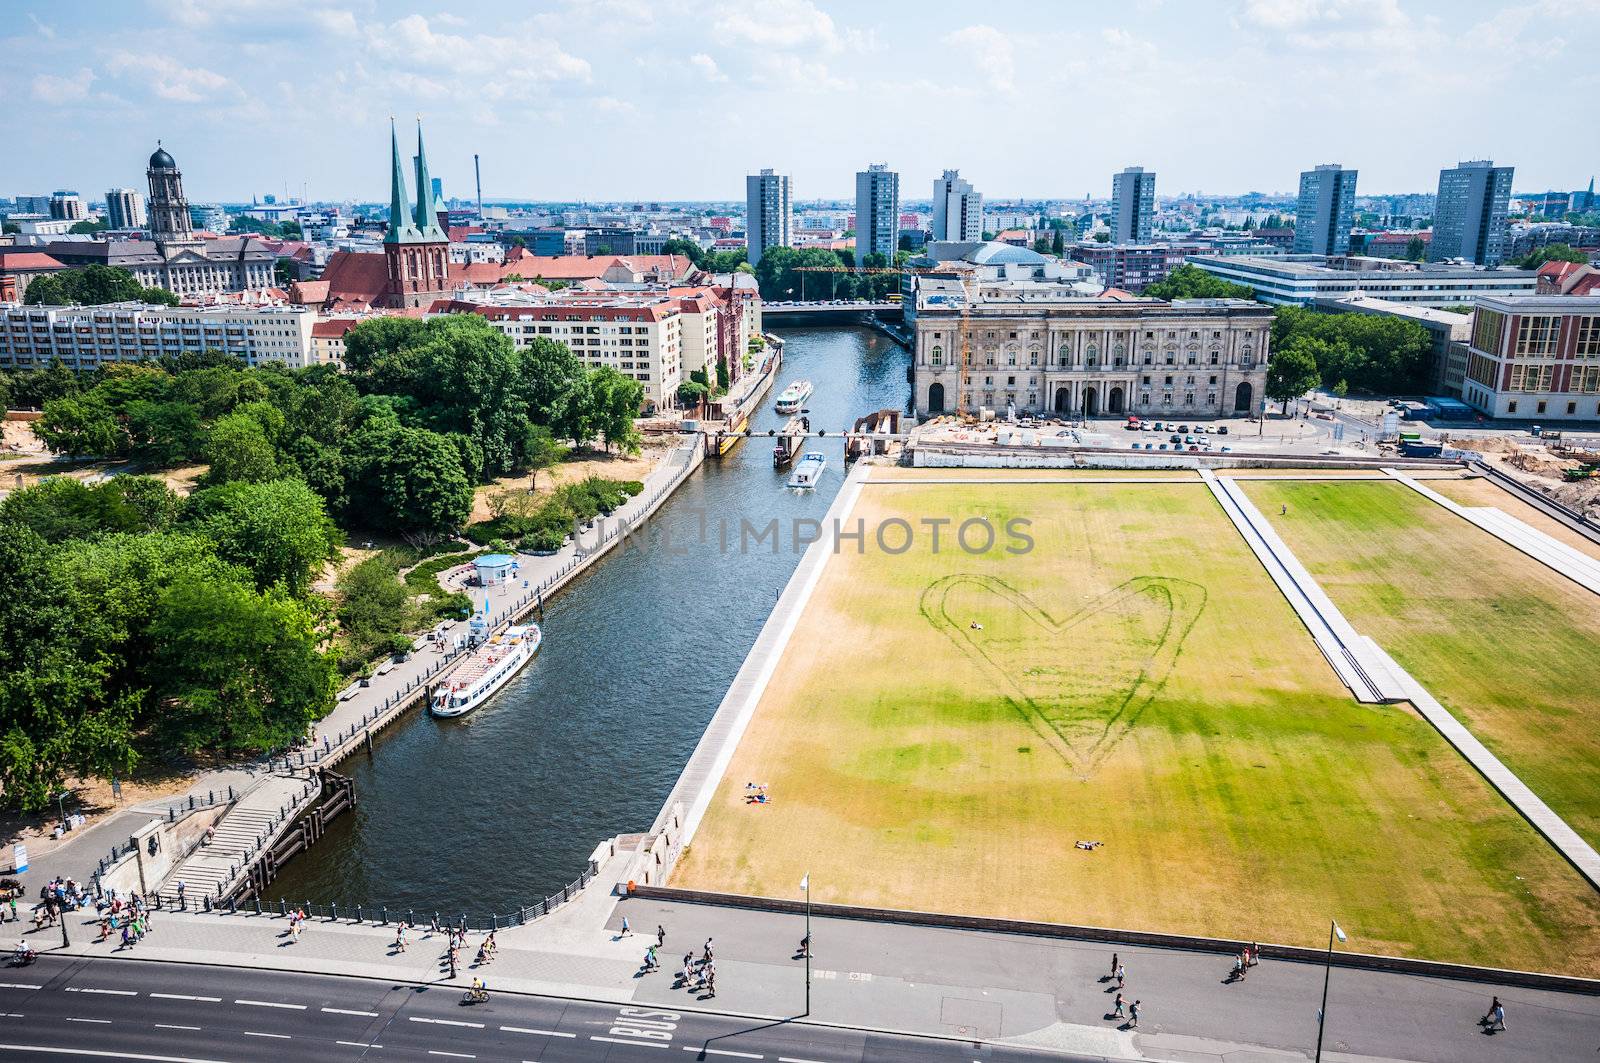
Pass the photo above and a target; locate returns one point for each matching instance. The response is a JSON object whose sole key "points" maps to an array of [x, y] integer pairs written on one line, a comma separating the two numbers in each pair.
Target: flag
{"points": [[1338, 932], [805, 883]]}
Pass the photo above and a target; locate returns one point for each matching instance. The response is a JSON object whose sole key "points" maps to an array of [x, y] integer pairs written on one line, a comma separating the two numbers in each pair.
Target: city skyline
{"points": [[1222, 98]]}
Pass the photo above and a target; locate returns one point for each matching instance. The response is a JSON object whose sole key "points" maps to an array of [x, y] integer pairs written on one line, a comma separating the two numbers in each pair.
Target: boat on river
{"points": [[808, 470], [794, 396], [490, 667]]}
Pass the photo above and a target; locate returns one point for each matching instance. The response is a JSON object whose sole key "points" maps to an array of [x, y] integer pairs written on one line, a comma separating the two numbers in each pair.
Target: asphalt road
{"points": [[62, 1009]]}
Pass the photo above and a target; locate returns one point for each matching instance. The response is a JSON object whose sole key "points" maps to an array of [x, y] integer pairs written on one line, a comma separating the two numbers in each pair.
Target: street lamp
{"points": [[805, 884], [1322, 1013]]}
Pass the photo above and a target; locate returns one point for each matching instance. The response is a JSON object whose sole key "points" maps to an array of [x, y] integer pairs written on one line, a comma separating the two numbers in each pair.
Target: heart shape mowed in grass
{"points": [[1082, 694]]}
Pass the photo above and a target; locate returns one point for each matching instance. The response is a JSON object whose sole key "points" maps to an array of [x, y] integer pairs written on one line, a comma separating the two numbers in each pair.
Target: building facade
{"points": [[1085, 357], [1536, 357], [86, 337], [877, 212], [1133, 206], [957, 209], [67, 205], [416, 250], [1469, 218], [1132, 267], [1300, 281], [769, 213], [125, 208], [1325, 211]]}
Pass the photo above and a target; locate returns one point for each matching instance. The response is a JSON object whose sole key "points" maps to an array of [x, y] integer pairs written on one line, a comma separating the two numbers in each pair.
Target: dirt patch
{"points": [[611, 466]]}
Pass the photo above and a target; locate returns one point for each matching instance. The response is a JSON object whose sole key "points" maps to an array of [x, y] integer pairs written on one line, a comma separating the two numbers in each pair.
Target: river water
{"points": [[495, 810]]}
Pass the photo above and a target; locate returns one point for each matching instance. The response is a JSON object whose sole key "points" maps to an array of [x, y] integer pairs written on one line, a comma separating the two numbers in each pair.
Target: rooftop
{"points": [[1315, 266], [1554, 304]]}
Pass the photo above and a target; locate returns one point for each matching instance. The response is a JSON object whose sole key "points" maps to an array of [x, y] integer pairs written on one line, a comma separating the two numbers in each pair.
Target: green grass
{"points": [[920, 763], [1508, 646]]}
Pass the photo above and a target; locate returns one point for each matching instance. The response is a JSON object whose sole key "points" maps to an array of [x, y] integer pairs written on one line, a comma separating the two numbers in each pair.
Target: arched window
{"points": [[937, 355]]}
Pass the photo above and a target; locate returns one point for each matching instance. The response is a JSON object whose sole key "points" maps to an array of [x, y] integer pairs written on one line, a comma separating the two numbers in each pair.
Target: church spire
{"points": [[427, 220], [401, 228]]}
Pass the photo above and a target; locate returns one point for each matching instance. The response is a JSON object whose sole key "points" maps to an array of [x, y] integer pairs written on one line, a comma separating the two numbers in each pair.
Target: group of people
{"points": [[130, 919], [699, 974], [755, 793], [1121, 1008], [1246, 958], [297, 923]]}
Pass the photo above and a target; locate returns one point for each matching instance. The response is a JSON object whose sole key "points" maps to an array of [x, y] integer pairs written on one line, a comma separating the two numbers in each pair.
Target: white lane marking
{"points": [[186, 996], [796, 1059], [723, 1052], [169, 1026], [106, 992], [447, 1022], [357, 1044], [539, 1033], [278, 1036], [270, 1004], [102, 1022], [452, 1055], [347, 1011], [19, 985], [625, 1041], [45, 1049]]}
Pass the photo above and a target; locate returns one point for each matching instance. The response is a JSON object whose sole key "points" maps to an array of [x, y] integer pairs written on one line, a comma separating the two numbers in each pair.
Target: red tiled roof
{"points": [[334, 327], [356, 277], [1557, 271], [27, 262], [308, 293], [1589, 285]]}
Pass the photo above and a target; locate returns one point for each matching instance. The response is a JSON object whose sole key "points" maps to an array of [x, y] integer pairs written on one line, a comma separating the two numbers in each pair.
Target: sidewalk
{"points": [[970, 985]]}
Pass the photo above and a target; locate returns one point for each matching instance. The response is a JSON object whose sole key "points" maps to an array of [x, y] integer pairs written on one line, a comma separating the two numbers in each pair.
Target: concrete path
{"points": [[1549, 551]]}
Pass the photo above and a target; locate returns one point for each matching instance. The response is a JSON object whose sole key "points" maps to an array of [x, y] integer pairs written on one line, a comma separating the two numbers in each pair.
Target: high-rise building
{"points": [[1469, 217], [125, 208], [957, 209], [1133, 206], [1325, 211], [769, 213], [32, 205], [66, 206], [877, 212]]}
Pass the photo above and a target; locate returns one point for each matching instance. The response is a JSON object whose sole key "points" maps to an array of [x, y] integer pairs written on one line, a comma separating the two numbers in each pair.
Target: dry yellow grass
{"points": [[1481, 492], [1137, 680]]}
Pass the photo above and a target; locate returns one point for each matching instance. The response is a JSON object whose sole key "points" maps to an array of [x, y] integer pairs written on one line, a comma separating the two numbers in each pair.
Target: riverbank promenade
{"points": [[973, 986]]}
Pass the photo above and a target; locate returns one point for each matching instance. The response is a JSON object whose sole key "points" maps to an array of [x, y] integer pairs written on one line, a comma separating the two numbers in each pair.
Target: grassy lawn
{"points": [[1137, 680], [1507, 645], [1481, 492]]}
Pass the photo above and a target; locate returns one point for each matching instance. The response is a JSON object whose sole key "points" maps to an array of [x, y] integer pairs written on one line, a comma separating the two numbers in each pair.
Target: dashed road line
{"points": [[723, 1052], [98, 1054], [271, 1004], [186, 996], [275, 1036], [169, 1026], [796, 1059], [105, 992], [625, 1041], [98, 1022], [357, 1044], [446, 1022], [537, 1033], [349, 1011], [19, 985], [452, 1055]]}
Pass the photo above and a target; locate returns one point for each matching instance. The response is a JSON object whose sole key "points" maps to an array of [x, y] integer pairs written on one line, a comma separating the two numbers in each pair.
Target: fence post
{"points": [[386, 915], [333, 912], [358, 913], [283, 907], [257, 899]]}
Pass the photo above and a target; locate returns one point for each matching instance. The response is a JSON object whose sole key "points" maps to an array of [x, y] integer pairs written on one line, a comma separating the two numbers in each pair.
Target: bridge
{"points": [[841, 308]]}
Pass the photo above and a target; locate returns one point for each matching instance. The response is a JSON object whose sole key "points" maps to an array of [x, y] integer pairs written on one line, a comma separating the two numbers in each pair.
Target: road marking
{"points": [[186, 996], [106, 992], [624, 1041], [796, 1059], [538, 1033], [45, 1049], [347, 1011], [278, 1036], [723, 1052], [447, 1022], [356, 1044], [102, 1022], [452, 1055], [19, 985], [168, 1026], [271, 1004]]}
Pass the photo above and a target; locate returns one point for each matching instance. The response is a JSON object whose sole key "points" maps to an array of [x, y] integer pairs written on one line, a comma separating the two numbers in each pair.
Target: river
{"points": [[495, 810]]}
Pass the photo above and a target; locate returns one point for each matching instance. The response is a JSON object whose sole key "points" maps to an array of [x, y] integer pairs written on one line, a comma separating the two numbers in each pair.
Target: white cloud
{"points": [[785, 24], [1320, 25], [990, 52], [54, 89], [533, 56], [707, 66], [171, 80], [46, 32]]}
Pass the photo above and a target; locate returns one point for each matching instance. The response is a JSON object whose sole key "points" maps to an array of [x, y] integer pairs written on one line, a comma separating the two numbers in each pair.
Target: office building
{"points": [[1551, 205], [66, 206], [768, 213], [1301, 280], [86, 337], [1469, 219], [125, 209], [1536, 357], [957, 209], [611, 240], [1325, 211], [1132, 267], [1133, 206], [31, 205], [877, 212], [209, 217]]}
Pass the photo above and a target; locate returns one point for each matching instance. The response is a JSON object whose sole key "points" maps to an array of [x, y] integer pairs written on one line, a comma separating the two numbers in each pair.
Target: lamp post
{"points": [[805, 884], [1327, 966]]}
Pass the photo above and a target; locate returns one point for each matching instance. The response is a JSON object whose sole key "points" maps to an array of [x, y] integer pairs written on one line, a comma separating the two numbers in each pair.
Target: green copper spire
{"points": [[427, 220], [401, 229]]}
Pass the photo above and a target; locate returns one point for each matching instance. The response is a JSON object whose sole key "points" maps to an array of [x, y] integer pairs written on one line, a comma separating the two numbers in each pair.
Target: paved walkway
{"points": [[975, 986], [254, 823]]}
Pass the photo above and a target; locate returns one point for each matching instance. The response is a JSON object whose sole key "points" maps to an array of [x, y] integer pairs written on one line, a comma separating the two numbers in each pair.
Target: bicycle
{"points": [[476, 995]]}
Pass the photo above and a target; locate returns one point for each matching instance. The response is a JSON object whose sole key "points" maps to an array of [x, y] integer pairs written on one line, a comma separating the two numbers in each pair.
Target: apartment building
{"points": [[1536, 357], [85, 337]]}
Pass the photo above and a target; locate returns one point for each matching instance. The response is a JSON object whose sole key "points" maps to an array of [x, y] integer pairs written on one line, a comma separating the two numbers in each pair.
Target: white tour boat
{"points": [[489, 668], [794, 396], [808, 470]]}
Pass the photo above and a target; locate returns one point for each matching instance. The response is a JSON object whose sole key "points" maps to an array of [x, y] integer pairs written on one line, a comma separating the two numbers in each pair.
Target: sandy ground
{"points": [[611, 466]]}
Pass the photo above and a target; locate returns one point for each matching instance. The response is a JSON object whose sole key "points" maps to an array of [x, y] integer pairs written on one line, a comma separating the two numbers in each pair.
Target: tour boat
{"points": [[489, 668], [808, 470], [794, 396]]}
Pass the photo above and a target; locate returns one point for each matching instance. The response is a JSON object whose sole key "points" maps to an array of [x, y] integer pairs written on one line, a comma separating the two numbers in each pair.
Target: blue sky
{"points": [[608, 99]]}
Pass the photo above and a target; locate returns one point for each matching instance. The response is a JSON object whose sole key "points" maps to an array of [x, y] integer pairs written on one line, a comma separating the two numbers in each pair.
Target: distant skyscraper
{"points": [[66, 205], [1326, 210], [769, 213], [124, 208], [1133, 205], [1583, 202], [1469, 218], [877, 212], [957, 209]]}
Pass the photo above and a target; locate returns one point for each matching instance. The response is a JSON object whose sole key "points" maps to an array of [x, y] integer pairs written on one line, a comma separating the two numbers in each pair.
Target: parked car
{"points": [[1174, 438], [1222, 429], [1131, 426]]}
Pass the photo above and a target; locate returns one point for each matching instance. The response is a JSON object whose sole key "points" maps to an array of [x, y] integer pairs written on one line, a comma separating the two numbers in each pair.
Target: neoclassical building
{"points": [[1048, 350]]}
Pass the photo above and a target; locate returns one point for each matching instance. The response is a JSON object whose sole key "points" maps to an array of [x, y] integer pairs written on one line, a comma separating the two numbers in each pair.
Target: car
{"points": [[1131, 426], [1162, 447], [1200, 429], [1190, 439], [1227, 450], [1147, 427], [1193, 447], [1183, 428], [1174, 438], [1222, 429]]}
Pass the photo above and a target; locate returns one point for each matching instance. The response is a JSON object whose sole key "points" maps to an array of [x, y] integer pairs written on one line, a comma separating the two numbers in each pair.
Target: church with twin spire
{"points": [[416, 246]]}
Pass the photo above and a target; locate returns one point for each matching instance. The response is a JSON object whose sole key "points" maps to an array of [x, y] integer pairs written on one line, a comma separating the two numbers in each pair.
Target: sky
{"points": [[679, 99]]}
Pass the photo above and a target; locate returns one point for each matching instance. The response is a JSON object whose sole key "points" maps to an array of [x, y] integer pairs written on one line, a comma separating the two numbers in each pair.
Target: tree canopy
{"points": [[1192, 282], [93, 286], [1372, 353], [1548, 253], [1293, 369]]}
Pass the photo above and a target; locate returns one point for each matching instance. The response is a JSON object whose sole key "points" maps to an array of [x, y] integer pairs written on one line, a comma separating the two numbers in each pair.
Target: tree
{"points": [[96, 225], [162, 433], [617, 399], [1374, 353], [1042, 245], [239, 670], [687, 248], [283, 272], [237, 448], [1102, 237], [543, 452], [374, 605], [406, 479], [1293, 371], [554, 385], [80, 427], [1192, 282], [691, 393], [1552, 253], [61, 508], [1058, 242], [278, 531], [5, 392], [93, 286], [1416, 250]]}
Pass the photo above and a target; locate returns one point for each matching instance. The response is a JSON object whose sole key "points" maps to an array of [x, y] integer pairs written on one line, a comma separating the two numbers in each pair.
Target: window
{"points": [[1511, 407], [1146, 357], [938, 356], [1541, 407], [1147, 380], [1536, 334], [1033, 357], [1588, 337], [1169, 358], [1213, 381], [1572, 408], [1188, 398]]}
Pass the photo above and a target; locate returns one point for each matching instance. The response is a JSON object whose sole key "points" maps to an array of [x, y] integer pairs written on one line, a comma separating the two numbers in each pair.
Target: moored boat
{"points": [[794, 396], [489, 668]]}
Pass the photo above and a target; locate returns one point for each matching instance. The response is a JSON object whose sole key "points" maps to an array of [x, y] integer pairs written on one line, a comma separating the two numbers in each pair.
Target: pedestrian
{"points": [[1117, 1012], [626, 929], [711, 982], [1495, 1018], [1114, 965], [1133, 1015], [400, 938], [1239, 963], [490, 945], [805, 945], [1253, 955], [1283, 511], [650, 958], [1122, 975], [661, 935], [707, 957]]}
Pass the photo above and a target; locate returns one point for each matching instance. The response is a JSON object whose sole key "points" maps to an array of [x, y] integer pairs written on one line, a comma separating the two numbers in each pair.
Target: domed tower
{"points": [[169, 211]]}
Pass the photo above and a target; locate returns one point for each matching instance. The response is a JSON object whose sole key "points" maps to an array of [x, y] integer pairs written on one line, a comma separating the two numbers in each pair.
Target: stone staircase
{"points": [[251, 825]]}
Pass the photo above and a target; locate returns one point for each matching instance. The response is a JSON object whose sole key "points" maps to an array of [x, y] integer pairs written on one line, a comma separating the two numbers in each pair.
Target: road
{"points": [[63, 1008]]}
